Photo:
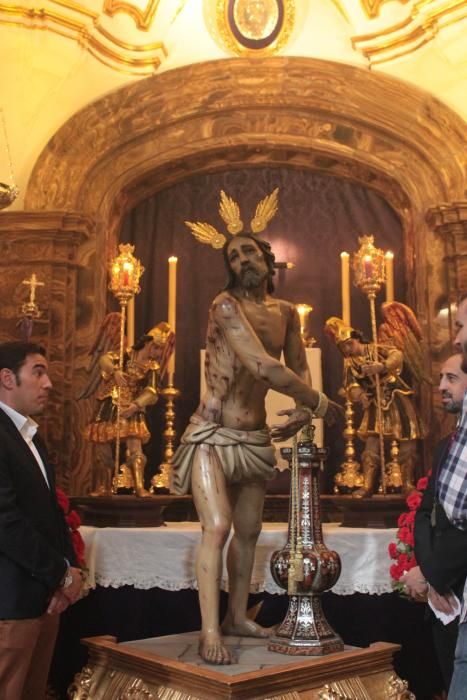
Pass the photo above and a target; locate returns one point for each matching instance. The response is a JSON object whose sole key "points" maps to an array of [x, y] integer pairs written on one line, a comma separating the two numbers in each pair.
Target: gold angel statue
{"points": [[398, 347], [123, 397]]}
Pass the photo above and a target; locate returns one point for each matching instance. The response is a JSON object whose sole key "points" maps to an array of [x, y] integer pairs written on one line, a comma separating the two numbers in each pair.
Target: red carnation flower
{"points": [[402, 519], [396, 571], [392, 550], [73, 520], [62, 499], [414, 499], [78, 546], [422, 483], [405, 535], [410, 519]]}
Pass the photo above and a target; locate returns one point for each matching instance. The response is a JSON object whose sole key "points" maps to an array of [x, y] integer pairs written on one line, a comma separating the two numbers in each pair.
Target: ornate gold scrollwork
{"points": [[397, 689], [348, 689]]}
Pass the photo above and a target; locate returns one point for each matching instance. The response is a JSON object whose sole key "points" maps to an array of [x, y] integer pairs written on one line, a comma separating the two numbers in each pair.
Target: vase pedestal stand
{"points": [[169, 668]]}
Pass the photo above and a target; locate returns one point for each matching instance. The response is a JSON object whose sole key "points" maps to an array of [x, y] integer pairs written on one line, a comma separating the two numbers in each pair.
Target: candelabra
{"points": [[125, 273], [349, 477], [369, 274]]}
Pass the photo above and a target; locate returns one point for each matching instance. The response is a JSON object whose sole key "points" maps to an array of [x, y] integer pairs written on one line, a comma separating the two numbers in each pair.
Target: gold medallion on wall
{"points": [[250, 27]]}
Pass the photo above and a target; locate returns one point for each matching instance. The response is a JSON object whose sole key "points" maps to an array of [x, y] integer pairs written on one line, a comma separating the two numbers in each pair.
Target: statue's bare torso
{"points": [[234, 397]]}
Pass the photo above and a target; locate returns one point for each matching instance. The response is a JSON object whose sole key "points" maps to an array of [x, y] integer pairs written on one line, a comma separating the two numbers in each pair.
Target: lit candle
{"points": [[345, 282], [367, 266], [389, 259], [303, 311], [127, 270], [172, 310]]}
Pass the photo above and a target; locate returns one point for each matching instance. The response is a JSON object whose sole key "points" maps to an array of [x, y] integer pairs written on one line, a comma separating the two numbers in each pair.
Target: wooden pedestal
{"points": [[133, 670], [126, 511]]}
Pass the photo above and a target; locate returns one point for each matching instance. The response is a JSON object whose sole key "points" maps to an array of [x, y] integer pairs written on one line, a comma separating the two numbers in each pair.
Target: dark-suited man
{"points": [[439, 546], [37, 577]]}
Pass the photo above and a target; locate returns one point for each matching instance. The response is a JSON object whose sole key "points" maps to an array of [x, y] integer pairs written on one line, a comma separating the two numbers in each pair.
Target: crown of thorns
{"points": [[229, 210]]}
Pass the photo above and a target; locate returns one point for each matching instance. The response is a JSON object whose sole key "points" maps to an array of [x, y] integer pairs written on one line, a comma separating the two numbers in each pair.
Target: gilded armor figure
{"points": [[401, 424], [123, 396]]}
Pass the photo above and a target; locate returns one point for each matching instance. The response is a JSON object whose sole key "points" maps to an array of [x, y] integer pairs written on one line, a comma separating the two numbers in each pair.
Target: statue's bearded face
{"points": [[247, 262]]}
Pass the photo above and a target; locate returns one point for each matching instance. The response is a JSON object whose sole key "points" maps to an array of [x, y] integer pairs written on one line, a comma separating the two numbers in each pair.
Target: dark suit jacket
{"points": [[34, 537], [441, 551]]}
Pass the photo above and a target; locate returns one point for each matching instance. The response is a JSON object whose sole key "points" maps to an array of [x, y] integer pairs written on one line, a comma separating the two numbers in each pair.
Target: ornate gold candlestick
{"points": [[162, 480], [350, 477], [394, 475], [125, 273], [369, 268]]}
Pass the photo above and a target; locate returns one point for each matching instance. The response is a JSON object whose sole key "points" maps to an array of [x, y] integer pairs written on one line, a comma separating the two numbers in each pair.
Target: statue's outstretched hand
{"points": [[297, 419], [334, 414]]}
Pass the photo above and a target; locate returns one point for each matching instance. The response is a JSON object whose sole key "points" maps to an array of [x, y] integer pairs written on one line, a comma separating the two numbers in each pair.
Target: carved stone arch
{"points": [[306, 113]]}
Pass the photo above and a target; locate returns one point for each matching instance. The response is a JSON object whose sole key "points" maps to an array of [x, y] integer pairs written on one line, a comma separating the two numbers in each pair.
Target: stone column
{"points": [[449, 221], [53, 246]]}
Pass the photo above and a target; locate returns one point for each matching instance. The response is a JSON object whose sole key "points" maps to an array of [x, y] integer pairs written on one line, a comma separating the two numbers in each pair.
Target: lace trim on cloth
{"points": [[165, 557]]}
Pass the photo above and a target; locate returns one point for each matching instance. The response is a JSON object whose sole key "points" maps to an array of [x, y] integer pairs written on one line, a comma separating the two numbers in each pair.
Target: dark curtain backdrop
{"points": [[318, 217]]}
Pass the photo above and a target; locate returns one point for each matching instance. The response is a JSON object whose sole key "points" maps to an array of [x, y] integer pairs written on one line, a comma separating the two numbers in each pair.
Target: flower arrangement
{"points": [[73, 521], [402, 551]]}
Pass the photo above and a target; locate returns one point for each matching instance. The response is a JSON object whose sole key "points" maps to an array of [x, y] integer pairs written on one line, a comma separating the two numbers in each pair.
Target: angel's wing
{"points": [[402, 329], [265, 211], [205, 233], [107, 340]]}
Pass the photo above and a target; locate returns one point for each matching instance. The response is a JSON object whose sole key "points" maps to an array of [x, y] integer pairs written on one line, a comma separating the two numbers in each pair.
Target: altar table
{"points": [[164, 557]]}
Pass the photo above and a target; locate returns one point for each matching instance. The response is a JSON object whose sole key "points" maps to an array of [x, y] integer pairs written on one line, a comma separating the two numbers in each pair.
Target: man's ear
{"points": [[7, 378]]}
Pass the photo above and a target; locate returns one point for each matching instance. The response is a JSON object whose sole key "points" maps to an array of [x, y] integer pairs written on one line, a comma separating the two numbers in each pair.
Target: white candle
{"points": [[345, 285], [389, 259], [172, 310]]}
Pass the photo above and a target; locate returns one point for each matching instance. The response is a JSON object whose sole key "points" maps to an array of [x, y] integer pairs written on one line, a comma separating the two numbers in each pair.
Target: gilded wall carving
{"points": [[312, 114]]}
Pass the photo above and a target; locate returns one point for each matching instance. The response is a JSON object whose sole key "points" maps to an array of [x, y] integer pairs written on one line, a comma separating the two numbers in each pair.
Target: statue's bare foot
{"points": [[212, 650], [246, 628]]}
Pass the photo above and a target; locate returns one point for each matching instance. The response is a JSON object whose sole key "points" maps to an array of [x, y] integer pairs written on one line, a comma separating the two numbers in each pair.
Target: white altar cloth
{"points": [[164, 557]]}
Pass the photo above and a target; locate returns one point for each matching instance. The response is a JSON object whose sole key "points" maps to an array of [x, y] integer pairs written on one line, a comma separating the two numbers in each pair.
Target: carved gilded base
{"points": [[132, 672]]}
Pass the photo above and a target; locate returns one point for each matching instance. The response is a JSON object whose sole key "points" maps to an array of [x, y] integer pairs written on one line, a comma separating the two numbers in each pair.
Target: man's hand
{"points": [[415, 584], [443, 603], [74, 590], [371, 368], [334, 414], [298, 418], [58, 603]]}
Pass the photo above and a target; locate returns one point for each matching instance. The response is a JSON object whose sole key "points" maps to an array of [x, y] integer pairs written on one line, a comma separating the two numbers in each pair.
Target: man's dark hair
{"points": [[269, 257], [13, 354]]}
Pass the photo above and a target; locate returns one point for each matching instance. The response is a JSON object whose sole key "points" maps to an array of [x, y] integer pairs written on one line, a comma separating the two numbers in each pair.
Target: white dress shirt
{"points": [[27, 428]]}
